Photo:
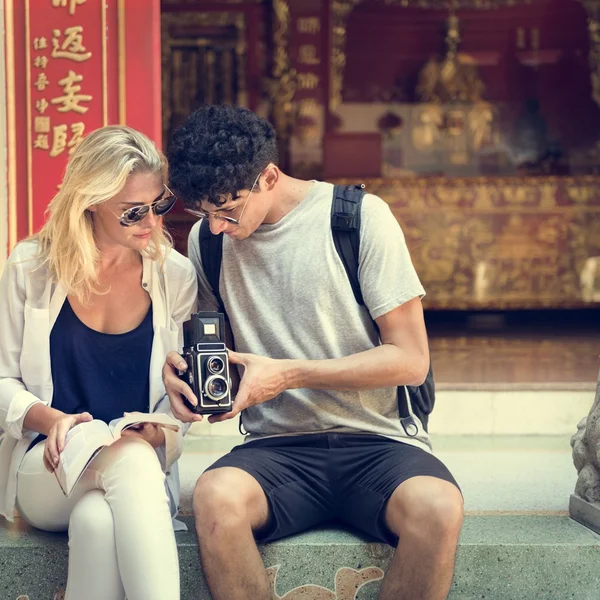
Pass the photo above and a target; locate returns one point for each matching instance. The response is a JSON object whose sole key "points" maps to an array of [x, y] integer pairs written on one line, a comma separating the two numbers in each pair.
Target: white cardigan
{"points": [[29, 305]]}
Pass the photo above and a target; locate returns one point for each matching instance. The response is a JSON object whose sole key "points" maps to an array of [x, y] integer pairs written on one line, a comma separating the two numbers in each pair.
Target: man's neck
{"points": [[291, 192]]}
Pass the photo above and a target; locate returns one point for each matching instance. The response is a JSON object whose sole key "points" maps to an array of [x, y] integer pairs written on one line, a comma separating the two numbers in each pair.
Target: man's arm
{"points": [[402, 359]]}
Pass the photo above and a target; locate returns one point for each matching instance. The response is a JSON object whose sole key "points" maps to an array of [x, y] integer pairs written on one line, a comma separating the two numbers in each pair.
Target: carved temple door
{"points": [[211, 54]]}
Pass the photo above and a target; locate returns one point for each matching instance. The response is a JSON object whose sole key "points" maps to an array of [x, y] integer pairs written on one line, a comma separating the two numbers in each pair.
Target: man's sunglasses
{"points": [[160, 207]]}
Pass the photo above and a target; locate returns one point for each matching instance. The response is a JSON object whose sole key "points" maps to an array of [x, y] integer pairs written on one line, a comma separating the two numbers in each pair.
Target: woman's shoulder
{"points": [[26, 253], [179, 266]]}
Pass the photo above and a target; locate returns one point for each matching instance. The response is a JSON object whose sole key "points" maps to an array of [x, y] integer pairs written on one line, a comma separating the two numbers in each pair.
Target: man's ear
{"points": [[271, 177]]}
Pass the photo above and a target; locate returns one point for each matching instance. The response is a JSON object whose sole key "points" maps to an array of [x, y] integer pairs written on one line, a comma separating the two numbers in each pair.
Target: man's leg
{"points": [[229, 504], [426, 514]]}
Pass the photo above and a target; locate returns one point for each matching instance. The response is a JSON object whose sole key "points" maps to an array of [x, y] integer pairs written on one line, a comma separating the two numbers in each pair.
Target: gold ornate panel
{"points": [[499, 242]]}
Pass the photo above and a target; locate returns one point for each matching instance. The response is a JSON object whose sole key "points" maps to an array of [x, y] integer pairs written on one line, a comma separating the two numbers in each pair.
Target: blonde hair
{"points": [[97, 171]]}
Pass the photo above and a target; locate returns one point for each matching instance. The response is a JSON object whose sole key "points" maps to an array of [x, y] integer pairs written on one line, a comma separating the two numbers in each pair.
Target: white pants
{"points": [[121, 538]]}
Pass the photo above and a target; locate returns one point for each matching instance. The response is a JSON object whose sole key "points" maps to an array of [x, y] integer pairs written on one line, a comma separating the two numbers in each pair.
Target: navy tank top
{"points": [[103, 374]]}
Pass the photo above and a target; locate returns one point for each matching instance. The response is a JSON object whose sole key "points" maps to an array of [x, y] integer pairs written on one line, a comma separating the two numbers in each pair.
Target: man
{"points": [[317, 389]]}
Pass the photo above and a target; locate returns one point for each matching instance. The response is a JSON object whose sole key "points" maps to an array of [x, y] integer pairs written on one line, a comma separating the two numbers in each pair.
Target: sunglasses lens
{"points": [[164, 205], [134, 215]]}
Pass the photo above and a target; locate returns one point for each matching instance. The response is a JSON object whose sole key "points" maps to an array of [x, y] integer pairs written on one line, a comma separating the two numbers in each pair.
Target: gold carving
{"points": [[71, 98], [347, 585], [40, 43], [308, 25], [59, 140], [72, 46], [308, 108], [72, 4], [41, 105], [341, 9], [594, 58], [41, 124], [308, 81], [41, 82], [40, 62], [77, 130], [281, 87], [41, 142], [495, 243], [307, 55]]}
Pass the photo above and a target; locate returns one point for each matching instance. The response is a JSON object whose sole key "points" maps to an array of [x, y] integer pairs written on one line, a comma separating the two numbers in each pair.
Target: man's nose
{"points": [[216, 225]]}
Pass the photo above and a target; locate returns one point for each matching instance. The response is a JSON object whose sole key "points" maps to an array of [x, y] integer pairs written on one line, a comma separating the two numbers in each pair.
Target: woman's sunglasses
{"points": [[159, 207]]}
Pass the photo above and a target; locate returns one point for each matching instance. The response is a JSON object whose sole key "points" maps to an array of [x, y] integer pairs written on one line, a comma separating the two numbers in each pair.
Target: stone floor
{"points": [[528, 349]]}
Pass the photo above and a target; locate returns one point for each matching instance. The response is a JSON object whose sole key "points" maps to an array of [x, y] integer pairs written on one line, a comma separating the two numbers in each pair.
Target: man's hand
{"points": [[175, 387], [150, 432], [262, 379], [55, 443]]}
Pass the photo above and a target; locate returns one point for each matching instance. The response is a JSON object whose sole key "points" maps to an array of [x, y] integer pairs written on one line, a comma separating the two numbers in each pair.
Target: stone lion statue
{"points": [[586, 453]]}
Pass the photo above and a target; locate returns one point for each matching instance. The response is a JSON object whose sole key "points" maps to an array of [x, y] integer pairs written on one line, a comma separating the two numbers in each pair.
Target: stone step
{"points": [[517, 540], [503, 411], [500, 557]]}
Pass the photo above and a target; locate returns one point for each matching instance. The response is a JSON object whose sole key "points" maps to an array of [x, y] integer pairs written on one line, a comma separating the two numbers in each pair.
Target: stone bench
{"points": [[500, 557]]}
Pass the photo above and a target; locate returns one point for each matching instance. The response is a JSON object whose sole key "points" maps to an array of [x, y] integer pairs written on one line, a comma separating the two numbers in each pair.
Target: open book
{"points": [[86, 440]]}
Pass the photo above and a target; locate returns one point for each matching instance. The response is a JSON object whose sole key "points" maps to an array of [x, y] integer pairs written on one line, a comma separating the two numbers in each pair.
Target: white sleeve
{"points": [[15, 400]]}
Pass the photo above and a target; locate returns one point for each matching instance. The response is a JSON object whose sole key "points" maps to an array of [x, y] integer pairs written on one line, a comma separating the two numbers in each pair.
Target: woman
{"points": [[89, 308]]}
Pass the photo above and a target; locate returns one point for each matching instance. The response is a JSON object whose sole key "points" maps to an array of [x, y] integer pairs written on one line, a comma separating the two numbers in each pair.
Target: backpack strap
{"points": [[345, 228], [211, 253]]}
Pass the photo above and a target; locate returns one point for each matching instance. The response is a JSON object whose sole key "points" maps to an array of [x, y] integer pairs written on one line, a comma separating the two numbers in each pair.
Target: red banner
{"points": [[67, 87], [73, 66]]}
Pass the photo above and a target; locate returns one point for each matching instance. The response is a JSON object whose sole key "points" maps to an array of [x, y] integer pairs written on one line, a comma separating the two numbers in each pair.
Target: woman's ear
{"points": [[93, 208]]}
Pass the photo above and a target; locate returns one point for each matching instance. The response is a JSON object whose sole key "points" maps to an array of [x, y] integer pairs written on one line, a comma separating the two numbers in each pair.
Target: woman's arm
{"points": [[15, 399]]}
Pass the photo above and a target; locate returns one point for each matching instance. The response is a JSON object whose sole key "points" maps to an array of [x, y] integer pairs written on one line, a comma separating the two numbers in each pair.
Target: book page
{"points": [[137, 418], [82, 443]]}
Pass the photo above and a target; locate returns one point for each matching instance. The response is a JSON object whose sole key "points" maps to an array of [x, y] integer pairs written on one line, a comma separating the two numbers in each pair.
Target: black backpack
{"points": [[345, 228]]}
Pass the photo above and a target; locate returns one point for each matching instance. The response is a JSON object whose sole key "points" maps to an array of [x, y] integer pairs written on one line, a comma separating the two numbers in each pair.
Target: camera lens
{"points": [[215, 364], [216, 387]]}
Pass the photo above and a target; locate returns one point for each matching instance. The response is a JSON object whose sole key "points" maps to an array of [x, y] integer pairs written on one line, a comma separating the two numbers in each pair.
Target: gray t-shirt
{"points": [[287, 295]]}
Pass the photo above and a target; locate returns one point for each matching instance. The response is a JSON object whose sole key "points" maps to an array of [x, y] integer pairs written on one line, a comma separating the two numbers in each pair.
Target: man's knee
{"points": [[228, 498], [91, 517], [426, 507]]}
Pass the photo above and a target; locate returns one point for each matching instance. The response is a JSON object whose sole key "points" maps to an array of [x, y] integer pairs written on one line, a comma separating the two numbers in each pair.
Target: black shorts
{"points": [[323, 478]]}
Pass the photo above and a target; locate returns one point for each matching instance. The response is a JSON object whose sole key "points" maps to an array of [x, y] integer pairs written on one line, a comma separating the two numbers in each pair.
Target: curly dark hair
{"points": [[218, 151]]}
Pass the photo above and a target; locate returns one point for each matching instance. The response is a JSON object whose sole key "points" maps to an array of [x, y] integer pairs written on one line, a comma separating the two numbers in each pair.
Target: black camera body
{"points": [[208, 365]]}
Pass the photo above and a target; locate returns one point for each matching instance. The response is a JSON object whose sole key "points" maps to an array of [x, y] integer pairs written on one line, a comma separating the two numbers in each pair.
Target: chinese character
{"points": [[308, 55], [308, 81], [309, 25], [41, 105], [77, 130], [41, 142], [40, 62], [40, 43], [71, 99], [73, 4], [41, 124], [59, 142], [308, 108], [72, 48], [41, 82]]}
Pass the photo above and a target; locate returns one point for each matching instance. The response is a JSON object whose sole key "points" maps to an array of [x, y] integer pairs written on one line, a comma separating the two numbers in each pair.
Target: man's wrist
{"points": [[295, 374]]}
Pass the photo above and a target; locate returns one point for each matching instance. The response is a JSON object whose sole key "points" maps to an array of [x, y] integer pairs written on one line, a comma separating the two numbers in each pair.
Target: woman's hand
{"points": [[55, 443], [151, 432]]}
